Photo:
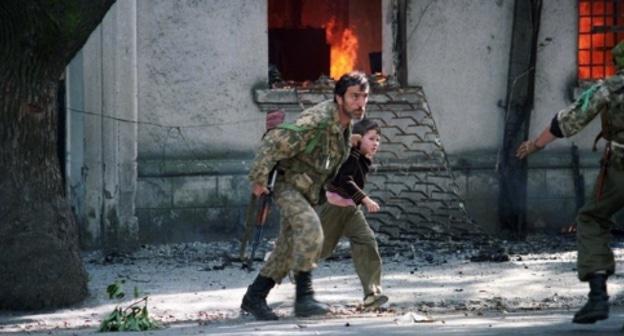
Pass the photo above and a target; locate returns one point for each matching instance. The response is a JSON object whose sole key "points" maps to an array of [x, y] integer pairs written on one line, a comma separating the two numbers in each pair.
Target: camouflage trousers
{"points": [[594, 225], [300, 238], [350, 222]]}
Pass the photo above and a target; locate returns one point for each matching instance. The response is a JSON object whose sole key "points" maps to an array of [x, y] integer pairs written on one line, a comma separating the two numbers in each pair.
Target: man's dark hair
{"points": [[365, 125], [350, 79]]}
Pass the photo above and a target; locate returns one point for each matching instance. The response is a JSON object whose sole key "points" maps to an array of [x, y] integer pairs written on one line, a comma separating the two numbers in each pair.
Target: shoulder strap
{"points": [[605, 128]]}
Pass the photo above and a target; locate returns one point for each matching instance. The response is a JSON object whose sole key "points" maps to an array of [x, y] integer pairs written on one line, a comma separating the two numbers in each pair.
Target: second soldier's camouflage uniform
{"points": [[605, 98], [595, 261], [307, 154]]}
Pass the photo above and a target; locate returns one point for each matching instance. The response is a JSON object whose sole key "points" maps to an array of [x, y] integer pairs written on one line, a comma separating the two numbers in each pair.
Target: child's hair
{"points": [[365, 125]]}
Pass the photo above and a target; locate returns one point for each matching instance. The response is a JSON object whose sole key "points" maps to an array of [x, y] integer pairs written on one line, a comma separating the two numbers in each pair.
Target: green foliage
{"points": [[115, 290], [135, 317]]}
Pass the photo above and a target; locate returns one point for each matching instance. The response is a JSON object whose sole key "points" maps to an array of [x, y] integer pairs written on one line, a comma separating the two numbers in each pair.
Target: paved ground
{"points": [[192, 292], [528, 323]]}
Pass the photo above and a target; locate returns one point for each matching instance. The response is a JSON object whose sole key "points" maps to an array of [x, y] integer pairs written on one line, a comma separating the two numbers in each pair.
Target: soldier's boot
{"points": [[254, 301], [305, 303], [597, 307]]}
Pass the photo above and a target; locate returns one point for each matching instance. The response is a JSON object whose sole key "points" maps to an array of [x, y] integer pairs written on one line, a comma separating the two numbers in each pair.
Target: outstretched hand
{"points": [[527, 148]]}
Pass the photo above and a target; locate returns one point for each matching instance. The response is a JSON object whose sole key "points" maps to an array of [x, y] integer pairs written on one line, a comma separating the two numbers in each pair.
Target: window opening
{"points": [[600, 28], [311, 38]]}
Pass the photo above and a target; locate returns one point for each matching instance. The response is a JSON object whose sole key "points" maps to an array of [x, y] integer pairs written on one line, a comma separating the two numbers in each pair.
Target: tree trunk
{"points": [[40, 265]]}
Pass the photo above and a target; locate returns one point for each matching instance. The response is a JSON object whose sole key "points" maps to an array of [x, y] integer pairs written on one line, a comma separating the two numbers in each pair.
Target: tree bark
{"points": [[40, 265]]}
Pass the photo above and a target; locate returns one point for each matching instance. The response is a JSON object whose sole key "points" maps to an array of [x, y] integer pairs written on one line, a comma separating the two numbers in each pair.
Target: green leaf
{"points": [[115, 291], [133, 318]]}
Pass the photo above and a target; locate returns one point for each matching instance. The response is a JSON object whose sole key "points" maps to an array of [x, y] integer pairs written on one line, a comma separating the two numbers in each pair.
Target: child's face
{"points": [[370, 143]]}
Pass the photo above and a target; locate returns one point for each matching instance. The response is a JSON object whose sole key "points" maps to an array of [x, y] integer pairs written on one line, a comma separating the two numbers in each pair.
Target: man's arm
{"points": [[575, 117], [531, 146], [278, 144], [569, 121]]}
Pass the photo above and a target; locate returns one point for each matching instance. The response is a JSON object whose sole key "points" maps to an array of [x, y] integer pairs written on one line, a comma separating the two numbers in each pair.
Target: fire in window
{"points": [[311, 38], [599, 30]]}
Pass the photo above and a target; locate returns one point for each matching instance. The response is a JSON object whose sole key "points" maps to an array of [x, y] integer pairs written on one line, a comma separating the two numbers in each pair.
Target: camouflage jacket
{"points": [[606, 96], [308, 151]]}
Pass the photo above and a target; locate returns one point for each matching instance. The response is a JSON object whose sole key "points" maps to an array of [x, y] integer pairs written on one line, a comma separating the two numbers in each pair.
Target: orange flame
{"points": [[344, 47]]}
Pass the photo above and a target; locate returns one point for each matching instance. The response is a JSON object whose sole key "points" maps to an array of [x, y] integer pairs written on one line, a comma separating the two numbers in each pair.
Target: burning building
{"points": [[165, 105], [309, 39]]}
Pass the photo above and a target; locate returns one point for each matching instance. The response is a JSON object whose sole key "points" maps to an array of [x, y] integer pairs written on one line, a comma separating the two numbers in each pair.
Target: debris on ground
{"points": [[411, 318]]}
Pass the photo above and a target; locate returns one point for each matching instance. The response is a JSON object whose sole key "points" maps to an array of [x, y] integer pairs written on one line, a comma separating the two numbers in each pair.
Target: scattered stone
{"points": [[411, 318], [493, 257]]}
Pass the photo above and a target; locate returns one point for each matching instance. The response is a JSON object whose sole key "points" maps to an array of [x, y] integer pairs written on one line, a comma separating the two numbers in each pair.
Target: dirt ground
{"points": [[428, 283]]}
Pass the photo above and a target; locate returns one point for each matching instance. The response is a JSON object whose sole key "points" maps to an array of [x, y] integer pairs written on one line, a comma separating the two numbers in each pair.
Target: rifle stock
{"points": [[265, 201], [249, 225]]}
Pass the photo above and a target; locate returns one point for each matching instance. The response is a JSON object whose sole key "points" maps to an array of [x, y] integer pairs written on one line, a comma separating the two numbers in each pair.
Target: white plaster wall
{"points": [[458, 51], [387, 37], [197, 62], [557, 71], [102, 129], [92, 168]]}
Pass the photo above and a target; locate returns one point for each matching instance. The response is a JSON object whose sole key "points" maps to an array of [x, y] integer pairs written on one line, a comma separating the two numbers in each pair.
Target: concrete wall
{"points": [[388, 31], [198, 63], [102, 132], [458, 51], [556, 71], [552, 201]]}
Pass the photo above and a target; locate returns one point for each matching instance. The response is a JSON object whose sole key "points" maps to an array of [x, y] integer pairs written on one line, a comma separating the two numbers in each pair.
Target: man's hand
{"points": [[355, 139], [371, 205], [527, 148], [274, 118], [259, 190]]}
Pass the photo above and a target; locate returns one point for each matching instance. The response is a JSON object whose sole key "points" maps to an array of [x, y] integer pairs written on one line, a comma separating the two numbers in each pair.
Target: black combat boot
{"points": [[597, 307], [305, 304], [254, 301]]}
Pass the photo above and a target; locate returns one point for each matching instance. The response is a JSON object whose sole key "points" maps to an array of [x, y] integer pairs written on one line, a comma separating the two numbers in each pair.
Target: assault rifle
{"points": [[263, 206], [258, 208]]}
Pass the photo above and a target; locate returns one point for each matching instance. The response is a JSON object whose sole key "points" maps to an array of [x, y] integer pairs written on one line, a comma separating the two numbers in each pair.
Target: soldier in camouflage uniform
{"points": [[306, 154], [595, 260]]}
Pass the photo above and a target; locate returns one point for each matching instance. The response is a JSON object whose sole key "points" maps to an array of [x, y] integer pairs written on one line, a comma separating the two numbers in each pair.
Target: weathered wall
{"points": [[556, 70], [102, 132], [552, 201], [458, 51], [198, 63]]}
